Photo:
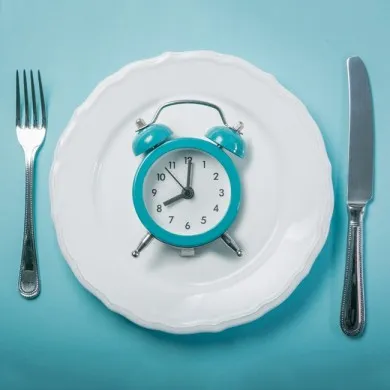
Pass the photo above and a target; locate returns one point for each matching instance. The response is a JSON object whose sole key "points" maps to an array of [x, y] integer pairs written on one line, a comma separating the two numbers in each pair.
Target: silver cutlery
{"points": [[360, 188], [30, 134]]}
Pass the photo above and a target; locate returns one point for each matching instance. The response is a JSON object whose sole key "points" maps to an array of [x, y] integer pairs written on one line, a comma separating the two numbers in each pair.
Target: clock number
{"points": [[204, 164], [154, 192], [160, 176], [187, 225], [171, 218], [187, 159], [216, 208], [159, 208], [215, 176], [172, 164], [221, 192], [203, 220]]}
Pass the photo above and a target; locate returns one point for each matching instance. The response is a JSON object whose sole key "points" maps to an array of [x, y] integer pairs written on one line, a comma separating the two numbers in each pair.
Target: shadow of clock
{"points": [[277, 323], [287, 318], [170, 255], [288, 315]]}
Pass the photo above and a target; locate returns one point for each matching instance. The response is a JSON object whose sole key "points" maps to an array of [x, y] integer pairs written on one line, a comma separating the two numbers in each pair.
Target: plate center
{"points": [[214, 263]]}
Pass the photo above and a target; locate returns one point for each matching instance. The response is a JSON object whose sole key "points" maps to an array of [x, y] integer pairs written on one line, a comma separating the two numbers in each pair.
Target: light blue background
{"points": [[66, 339]]}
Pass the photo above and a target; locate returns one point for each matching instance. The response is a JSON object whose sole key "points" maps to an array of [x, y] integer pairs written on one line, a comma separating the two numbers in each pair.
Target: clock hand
{"points": [[174, 199], [177, 181], [189, 174], [188, 193]]}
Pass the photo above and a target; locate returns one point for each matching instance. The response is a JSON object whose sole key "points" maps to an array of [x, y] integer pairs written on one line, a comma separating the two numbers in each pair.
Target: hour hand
{"points": [[174, 199]]}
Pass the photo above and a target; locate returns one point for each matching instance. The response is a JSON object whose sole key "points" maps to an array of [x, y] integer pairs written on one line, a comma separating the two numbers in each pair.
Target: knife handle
{"points": [[352, 318]]}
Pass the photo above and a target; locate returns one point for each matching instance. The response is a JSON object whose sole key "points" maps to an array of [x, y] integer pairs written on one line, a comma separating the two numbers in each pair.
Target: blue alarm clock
{"points": [[187, 191]]}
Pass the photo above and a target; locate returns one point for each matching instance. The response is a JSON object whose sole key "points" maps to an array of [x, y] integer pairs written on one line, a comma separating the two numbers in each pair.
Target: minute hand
{"points": [[189, 174]]}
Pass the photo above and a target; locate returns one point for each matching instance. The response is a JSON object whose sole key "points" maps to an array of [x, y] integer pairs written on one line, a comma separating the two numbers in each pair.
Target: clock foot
{"points": [[187, 252], [231, 244], [142, 245]]}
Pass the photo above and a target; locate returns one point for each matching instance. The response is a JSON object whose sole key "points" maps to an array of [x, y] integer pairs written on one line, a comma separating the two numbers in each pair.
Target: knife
{"points": [[360, 188]]}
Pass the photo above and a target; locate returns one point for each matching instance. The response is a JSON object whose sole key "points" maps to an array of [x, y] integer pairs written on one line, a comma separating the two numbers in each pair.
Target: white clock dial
{"points": [[181, 208]]}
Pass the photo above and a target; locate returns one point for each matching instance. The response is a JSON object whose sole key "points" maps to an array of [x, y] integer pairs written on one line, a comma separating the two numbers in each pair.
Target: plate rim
{"points": [[204, 326]]}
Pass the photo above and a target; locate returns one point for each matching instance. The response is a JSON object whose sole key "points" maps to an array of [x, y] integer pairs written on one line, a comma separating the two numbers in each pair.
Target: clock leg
{"points": [[143, 244], [231, 244]]}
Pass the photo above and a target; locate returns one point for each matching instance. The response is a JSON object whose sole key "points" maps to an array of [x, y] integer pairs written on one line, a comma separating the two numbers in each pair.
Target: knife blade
{"points": [[360, 190], [361, 133]]}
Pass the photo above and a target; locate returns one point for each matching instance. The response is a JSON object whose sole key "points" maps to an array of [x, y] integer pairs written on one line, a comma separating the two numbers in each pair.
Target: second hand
{"points": [[177, 181]]}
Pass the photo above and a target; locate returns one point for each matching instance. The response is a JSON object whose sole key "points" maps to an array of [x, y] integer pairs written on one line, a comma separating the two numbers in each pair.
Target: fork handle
{"points": [[29, 286], [352, 318]]}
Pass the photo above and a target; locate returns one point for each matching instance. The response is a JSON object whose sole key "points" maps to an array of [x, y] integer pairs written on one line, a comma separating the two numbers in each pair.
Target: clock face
{"points": [[187, 192]]}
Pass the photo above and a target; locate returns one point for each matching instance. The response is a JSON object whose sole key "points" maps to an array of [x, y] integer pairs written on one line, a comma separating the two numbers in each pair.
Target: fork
{"points": [[30, 135]]}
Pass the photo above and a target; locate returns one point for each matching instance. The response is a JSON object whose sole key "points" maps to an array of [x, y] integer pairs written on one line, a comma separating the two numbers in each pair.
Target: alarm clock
{"points": [[187, 191]]}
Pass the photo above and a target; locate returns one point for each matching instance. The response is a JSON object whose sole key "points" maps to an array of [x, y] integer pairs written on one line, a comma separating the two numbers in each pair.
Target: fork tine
{"points": [[34, 102], [18, 119], [27, 111], [43, 108]]}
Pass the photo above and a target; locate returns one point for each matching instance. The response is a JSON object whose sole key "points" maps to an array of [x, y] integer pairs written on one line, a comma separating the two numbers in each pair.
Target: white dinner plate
{"points": [[286, 207]]}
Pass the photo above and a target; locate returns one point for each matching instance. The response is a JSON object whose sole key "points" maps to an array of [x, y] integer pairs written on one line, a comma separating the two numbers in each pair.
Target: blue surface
{"points": [[66, 339], [177, 239]]}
